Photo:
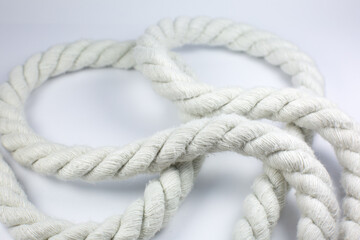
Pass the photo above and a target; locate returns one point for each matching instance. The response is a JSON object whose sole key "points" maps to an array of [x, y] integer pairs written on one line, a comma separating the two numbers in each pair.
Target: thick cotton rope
{"points": [[281, 151], [198, 99], [271, 180], [141, 220], [239, 37], [14, 128], [83, 54], [93, 56]]}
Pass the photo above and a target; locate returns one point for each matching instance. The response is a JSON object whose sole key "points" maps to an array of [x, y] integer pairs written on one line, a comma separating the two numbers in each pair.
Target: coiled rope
{"points": [[178, 153], [236, 37], [199, 100]]}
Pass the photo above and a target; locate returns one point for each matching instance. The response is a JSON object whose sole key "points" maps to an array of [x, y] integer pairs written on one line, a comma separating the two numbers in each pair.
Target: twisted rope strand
{"points": [[279, 150], [176, 147], [198, 99], [67, 58], [76, 164], [58, 57], [238, 37], [141, 220], [61, 59]]}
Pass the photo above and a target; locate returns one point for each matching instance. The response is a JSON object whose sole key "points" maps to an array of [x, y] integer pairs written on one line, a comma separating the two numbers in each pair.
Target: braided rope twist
{"points": [[20, 140], [141, 220], [290, 106], [237, 37], [50, 158], [75, 56], [276, 181], [289, 155]]}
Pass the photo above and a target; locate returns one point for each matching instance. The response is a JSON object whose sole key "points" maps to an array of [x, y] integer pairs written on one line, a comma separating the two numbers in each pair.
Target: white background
{"points": [[115, 107]]}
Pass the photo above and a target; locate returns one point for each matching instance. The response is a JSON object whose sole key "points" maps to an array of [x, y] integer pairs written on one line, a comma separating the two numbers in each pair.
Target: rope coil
{"points": [[200, 100], [177, 154]]}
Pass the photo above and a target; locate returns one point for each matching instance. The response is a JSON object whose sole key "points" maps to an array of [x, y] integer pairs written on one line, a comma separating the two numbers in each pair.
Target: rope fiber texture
{"points": [[216, 120]]}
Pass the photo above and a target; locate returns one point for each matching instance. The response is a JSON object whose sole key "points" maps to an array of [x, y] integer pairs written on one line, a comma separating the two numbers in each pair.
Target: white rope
{"points": [[283, 152], [73, 54], [237, 37], [199, 100], [177, 153]]}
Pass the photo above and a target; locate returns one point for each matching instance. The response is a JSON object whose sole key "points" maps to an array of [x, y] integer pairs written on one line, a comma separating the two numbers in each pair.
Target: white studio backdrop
{"points": [[115, 107]]}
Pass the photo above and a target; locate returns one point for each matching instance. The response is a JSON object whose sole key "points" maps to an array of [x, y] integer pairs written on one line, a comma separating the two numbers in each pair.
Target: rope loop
{"points": [[216, 120]]}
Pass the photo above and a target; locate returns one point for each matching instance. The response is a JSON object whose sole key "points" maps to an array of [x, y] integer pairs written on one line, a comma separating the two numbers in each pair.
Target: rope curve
{"points": [[236, 37], [289, 155], [141, 220], [72, 57], [177, 154], [303, 110], [61, 59], [26, 146]]}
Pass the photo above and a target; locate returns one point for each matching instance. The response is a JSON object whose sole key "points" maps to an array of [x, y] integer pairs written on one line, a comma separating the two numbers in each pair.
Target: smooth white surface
{"points": [[326, 30]]}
